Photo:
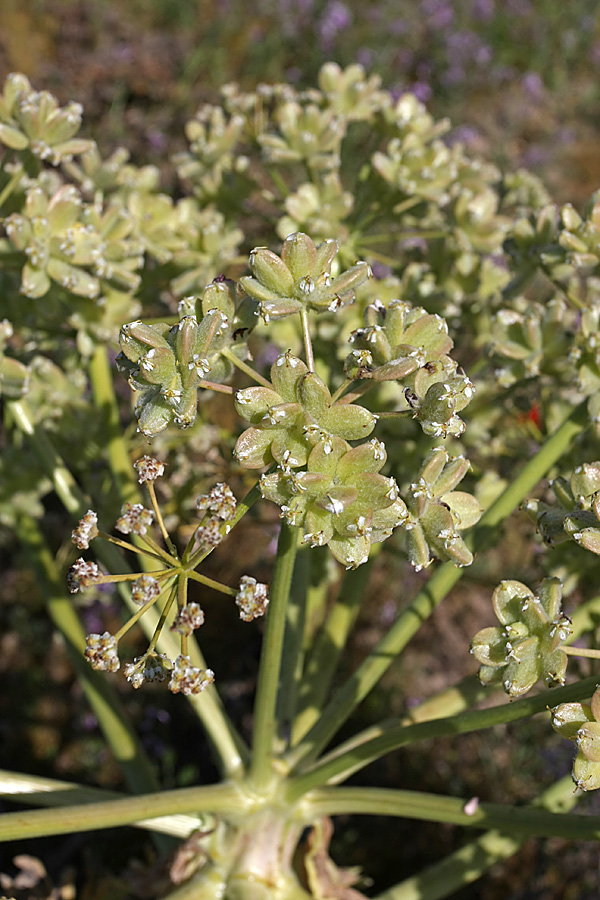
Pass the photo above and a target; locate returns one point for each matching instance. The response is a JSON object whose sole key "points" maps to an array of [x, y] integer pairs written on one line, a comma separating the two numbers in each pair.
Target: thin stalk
{"points": [[211, 583], [159, 518], [138, 615], [244, 367], [345, 760], [291, 675], [584, 652], [471, 861], [326, 650], [125, 545], [214, 386], [11, 185], [265, 722], [32, 789], [344, 386], [308, 350], [218, 799], [526, 821], [439, 585]]}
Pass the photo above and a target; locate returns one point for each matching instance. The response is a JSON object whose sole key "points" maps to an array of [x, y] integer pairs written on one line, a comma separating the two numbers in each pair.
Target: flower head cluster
{"points": [[290, 418], [33, 120], [166, 586], [580, 723], [341, 499], [437, 513], [252, 598], [101, 652], [527, 645], [166, 365], [148, 469], [188, 679], [134, 519], [300, 279], [82, 574], [151, 666], [188, 619], [86, 531], [576, 515]]}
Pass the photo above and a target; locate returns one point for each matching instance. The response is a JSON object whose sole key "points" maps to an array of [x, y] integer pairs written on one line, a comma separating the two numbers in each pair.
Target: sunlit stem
{"points": [[128, 576], [182, 597], [265, 720], [12, 184], [127, 546], [163, 618], [308, 350], [211, 583], [585, 652], [213, 386], [147, 539], [136, 616], [244, 367], [159, 518]]}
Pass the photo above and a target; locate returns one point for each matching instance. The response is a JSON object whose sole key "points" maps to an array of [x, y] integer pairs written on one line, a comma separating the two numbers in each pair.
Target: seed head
{"points": [[252, 598], [187, 679], [148, 468], [134, 519], [144, 589], [188, 619], [101, 652], [82, 575], [220, 501], [86, 530]]}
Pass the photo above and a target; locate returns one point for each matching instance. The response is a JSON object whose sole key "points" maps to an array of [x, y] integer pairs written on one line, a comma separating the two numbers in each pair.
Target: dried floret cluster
{"points": [[165, 585]]}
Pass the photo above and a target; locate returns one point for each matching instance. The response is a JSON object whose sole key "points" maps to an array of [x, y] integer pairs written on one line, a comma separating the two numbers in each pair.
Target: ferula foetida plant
{"points": [[389, 348]]}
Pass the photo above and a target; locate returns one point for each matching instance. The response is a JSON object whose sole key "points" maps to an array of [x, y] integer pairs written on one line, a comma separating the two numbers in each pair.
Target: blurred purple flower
{"points": [[157, 140], [533, 86], [464, 134], [336, 18], [483, 10], [364, 56], [438, 14], [421, 90]]}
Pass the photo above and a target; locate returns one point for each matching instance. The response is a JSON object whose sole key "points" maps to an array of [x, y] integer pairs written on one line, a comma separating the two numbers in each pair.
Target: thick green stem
{"points": [[349, 758], [34, 790], [441, 582], [525, 821], [265, 721], [218, 799], [293, 641], [327, 648], [470, 862]]}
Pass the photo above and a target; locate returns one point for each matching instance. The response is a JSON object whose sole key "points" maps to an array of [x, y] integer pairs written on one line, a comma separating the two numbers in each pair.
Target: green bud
{"points": [[299, 254], [271, 271]]}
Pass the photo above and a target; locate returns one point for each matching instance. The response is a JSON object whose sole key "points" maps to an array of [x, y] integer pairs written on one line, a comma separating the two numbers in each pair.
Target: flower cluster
{"points": [[341, 499], [528, 645], [577, 515], [437, 513], [166, 585], [290, 418], [580, 723], [300, 279]]}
